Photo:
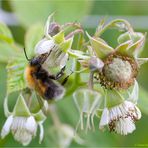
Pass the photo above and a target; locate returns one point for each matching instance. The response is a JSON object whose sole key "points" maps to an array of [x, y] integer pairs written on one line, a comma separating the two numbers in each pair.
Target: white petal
{"points": [[104, 118], [44, 46], [124, 126], [62, 60], [18, 124], [31, 125], [6, 128], [57, 58], [23, 136], [19, 131], [41, 132]]}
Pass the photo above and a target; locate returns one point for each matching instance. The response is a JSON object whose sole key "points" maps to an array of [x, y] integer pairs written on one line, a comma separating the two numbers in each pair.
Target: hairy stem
{"points": [[113, 24]]}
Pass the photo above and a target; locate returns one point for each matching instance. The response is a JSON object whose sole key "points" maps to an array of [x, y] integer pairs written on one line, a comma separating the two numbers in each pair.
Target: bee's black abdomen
{"points": [[53, 91]]}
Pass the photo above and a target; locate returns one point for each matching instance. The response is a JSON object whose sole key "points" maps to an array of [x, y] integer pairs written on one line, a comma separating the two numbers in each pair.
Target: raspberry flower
{"points": [[121, 118], [57, 42], [121, 65], [114, 70], [22, 123]]}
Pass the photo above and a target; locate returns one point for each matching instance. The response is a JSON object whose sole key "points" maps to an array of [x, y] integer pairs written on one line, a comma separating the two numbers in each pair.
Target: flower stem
{"points": [[77, 78], [113, 24], [54, 116], [90, 83]]}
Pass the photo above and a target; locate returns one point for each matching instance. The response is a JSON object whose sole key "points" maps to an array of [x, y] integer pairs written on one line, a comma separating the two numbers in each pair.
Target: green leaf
{"points": [[20, 108], [33, 35], [6, 52], [15, 74], [5, 34], [30, 12]]}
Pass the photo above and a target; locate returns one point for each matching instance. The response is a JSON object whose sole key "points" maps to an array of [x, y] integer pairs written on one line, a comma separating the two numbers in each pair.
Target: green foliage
{"points": [[143, 100], [33, 35], [38, 11], [5, 34], [15, 74]]}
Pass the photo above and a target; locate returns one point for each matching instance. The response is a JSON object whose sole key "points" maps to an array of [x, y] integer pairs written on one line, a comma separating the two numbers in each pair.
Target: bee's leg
{"points": [[58, 75], [61, 73], [66, 79]]}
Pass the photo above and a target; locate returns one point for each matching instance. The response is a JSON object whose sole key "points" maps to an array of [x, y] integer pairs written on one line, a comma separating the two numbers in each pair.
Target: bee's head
{"points": [[39, 60], [35, 62]]}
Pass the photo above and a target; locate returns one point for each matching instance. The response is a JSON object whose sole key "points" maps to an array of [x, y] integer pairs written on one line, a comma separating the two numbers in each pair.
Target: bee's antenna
{"points": [[26, 55]]}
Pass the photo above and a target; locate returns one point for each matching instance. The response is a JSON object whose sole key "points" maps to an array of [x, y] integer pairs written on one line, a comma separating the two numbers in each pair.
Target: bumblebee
{"points": [[41, 81]]}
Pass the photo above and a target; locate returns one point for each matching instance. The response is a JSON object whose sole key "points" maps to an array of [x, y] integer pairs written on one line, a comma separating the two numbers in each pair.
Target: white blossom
{"points": [[44, 46], [22, 128], [121, 118]]}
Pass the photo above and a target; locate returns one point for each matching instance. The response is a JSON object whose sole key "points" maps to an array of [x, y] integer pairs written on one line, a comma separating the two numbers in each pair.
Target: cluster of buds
{"points": [[112, 73]]}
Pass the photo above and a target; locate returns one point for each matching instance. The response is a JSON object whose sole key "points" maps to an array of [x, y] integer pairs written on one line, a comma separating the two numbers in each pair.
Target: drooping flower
{"points": [[55, 42], [119, 114], [120, 118], [87, 102], [23, 124], [64, 135]]}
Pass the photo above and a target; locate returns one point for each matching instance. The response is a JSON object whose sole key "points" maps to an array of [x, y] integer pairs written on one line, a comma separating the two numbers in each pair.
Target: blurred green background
{"points": [[19, 15]]}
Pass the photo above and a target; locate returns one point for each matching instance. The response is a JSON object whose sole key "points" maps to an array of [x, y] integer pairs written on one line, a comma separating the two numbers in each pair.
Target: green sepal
{"points": [[66, 45], [122, 48], [100, 47], [134, 95], [46, 29], [124, 38], [78, 54], [59, 38], [20, 108], [100, 27], [136, 36], [136, 47], [141, 61], [113, 98], [39, 116], [136, 40]]}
